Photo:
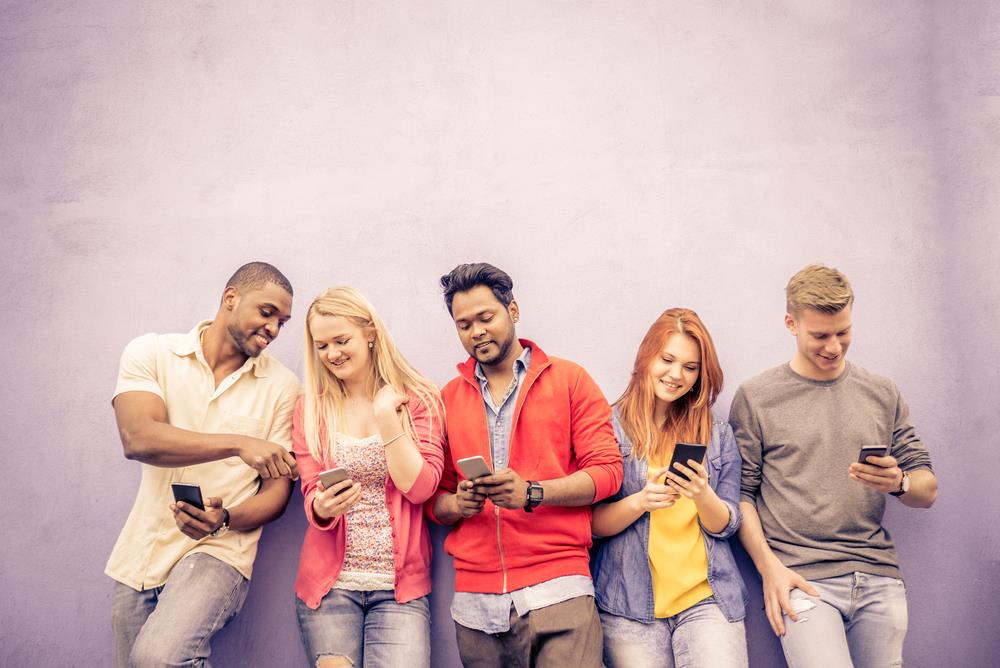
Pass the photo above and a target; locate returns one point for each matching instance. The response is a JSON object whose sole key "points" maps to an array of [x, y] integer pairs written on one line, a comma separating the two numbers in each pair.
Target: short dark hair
{"points": [[464, 277], [255, 275]]}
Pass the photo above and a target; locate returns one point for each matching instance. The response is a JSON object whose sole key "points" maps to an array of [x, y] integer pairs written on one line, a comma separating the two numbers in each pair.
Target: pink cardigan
{"points": [[322, 555]]}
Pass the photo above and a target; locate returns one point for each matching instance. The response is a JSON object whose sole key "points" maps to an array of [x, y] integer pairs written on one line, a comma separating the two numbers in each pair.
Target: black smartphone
{"points": [[685, 451], [188, 493], [871, 451]]}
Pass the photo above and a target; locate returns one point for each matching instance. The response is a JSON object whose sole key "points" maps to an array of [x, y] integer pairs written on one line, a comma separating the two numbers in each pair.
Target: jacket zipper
{"points": [[517, 413]]}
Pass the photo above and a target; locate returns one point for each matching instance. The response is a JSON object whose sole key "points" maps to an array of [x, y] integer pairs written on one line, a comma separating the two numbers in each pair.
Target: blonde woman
{"points": [[364, 572]]}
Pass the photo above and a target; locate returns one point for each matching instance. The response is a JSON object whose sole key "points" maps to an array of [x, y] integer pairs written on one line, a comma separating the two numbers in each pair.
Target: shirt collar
{"points": [[521, 365], [190, 344]]}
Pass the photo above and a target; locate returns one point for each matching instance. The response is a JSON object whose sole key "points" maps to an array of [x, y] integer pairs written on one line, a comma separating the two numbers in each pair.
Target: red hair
{"points": [[690, 417]]}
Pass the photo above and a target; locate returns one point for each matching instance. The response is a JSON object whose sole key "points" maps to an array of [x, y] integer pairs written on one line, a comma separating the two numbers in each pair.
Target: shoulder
{"points": [[151, 342], [279, 374], [881, 384], [764, 381]]}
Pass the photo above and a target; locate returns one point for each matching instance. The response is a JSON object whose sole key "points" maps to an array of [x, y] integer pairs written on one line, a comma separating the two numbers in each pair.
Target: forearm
{"points": [[612, 518], [923, 489], [752, 536], [161, 444], [713, 513], [446, 509], [402, 457], [576, 489], [265, 506]]}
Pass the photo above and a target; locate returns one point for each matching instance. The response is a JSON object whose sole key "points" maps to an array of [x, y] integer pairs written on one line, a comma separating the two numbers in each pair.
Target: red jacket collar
{"points": [[539, 360]]}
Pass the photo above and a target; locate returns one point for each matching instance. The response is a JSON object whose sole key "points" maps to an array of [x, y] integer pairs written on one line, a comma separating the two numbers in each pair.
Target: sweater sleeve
{"points": [[309, 470], [428, 427], [593, 438], [747, 433], [910, 453]]}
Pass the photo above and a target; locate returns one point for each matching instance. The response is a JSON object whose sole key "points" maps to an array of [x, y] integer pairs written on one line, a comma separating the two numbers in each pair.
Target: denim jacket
{"points": [[622, 581]]}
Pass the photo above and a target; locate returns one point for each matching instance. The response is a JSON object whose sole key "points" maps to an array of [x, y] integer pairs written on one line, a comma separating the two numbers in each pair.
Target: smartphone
{"points": [[685, 451], [188, 493], [871, 451], [331, 477], [474, 467]]}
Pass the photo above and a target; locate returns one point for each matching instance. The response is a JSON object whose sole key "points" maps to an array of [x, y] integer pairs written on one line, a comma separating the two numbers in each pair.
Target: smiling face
{"points": [[821, 341], [485, 326], [256, 316], [342, 346], [675, 370]]}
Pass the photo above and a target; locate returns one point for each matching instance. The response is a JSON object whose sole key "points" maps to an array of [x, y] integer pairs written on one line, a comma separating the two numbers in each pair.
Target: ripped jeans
{"points": [[859, 620], [368, 627]]}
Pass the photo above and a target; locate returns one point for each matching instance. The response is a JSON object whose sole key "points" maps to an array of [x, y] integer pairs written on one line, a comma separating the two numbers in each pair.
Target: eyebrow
{"points": [[475, 315]]}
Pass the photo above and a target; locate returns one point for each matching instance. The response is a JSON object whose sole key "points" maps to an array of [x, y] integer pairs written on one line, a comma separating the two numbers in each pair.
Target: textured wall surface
{"points": [[616, 158]]}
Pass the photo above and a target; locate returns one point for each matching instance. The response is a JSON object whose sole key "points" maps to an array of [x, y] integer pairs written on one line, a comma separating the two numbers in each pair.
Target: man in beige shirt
{"points": [[210, 408]]}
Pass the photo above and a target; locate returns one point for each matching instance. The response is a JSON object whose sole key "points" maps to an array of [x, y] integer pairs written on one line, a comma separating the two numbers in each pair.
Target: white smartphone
{"points": [[474, 467], [331, 477]]}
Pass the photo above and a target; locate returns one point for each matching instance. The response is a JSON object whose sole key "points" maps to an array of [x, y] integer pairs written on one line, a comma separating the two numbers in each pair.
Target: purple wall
{"points": [[615, 159]]}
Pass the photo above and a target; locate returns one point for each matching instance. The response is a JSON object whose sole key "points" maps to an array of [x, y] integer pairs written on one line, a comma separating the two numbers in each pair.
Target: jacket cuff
{"points": [[735, 518]]}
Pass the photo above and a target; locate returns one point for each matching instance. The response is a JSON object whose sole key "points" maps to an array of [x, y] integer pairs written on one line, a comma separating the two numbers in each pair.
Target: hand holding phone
{"points": [[871, 451], [474, 467], [682, 453], [331, 477], [188, 493]]}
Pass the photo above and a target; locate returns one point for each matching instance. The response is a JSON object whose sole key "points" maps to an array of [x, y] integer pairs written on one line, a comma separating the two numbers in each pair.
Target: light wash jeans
{"points": [[173, 624], [368, 627], [699, 637], [859, 620]]}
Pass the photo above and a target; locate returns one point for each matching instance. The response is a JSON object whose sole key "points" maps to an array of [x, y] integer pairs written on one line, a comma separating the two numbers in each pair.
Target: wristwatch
{"points": [[904, 485], [224, 527], [535, 495]]}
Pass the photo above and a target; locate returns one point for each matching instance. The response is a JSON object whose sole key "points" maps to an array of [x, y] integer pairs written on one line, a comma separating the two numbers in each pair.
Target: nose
{"points": [[272, 328], [833, 347], [477, 330]]}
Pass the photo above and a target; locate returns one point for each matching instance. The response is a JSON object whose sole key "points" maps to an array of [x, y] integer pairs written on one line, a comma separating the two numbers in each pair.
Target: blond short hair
{"points": [[818, 287]]}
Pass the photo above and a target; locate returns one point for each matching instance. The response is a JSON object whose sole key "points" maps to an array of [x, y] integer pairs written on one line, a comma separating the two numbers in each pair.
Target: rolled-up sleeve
{"points": [[910, 453], [428, 427], [728, 487]]}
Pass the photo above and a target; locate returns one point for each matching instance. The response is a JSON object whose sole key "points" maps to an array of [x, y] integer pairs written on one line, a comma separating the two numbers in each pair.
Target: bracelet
{"points": [[394, 439]]}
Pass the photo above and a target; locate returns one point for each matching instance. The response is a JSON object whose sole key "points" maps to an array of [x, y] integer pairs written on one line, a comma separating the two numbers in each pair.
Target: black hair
{"points": [[464, 277], [255, 275]]}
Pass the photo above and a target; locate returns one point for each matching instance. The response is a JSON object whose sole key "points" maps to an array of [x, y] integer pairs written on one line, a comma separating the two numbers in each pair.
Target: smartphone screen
{"points": [[188, 493], [685, 451]]}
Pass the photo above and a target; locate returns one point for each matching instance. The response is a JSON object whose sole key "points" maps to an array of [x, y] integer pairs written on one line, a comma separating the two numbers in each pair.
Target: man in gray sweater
{"points": [[812, 512]]}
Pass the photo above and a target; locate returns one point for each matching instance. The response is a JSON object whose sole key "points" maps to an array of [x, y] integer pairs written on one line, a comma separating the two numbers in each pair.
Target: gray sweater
{"points": [[798, 437]]}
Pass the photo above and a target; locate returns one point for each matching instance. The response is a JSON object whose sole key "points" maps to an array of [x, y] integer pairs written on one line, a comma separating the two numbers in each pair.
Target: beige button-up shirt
{"points": [[257, 400]]}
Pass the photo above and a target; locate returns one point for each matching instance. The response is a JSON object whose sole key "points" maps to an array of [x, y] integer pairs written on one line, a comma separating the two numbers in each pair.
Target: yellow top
{"points": [[677, 558], [257, 400]]}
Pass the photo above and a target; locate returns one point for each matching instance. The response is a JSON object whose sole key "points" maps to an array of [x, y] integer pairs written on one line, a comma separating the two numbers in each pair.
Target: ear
{"points": [[790, 324], [230, 298], [514, 311]]}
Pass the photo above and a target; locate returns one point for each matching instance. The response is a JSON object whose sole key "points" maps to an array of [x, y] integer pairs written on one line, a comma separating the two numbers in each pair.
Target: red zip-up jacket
{"points": [[562, 424]]}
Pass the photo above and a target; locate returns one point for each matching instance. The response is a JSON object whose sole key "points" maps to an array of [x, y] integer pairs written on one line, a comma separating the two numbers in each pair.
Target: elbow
{"points": [[931, 495], [132, 445]]}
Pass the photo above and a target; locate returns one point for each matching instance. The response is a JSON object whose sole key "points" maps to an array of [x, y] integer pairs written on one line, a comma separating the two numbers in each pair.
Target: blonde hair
{"points": [[324, 393], [818, 287], [690, 417]]}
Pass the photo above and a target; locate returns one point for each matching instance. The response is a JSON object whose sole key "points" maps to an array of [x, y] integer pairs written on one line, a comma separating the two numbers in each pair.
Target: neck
{"points": [[359, 389], [503, 369], [219, 349], [660, 413]]}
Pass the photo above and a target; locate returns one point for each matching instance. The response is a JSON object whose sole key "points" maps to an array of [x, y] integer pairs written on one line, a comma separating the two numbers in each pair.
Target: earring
{"points": [[371, 344]]}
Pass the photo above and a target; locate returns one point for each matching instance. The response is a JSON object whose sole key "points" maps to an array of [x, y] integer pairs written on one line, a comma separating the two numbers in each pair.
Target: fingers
{"points": [[803, 584], [657, 474], [773, 609], [190, 526]]}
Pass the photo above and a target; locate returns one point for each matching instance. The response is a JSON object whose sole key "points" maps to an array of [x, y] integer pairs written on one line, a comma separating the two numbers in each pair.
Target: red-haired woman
{"points": [[666, 583]]}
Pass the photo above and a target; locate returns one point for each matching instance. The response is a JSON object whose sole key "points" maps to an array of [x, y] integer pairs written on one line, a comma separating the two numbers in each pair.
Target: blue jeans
{"points": [[859, 620], [172, 625], [697, 637], [368, 627]]}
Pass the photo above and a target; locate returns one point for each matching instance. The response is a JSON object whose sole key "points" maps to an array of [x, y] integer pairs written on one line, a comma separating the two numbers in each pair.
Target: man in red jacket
{"points": [[523, 593]]}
